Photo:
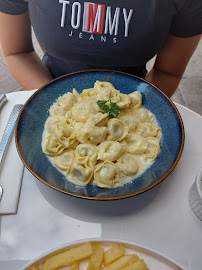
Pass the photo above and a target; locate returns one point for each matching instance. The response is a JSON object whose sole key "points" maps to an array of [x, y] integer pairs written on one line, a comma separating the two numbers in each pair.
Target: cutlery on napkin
{"points": [[12, 170], [7, 135]]}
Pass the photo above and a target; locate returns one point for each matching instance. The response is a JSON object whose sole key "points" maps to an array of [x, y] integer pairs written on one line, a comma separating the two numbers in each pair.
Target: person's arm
{"points": [[17, 49], [171, 62]]}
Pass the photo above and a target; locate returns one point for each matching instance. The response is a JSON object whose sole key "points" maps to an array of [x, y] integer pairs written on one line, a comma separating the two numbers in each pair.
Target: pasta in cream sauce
{"points": [[88, 147]]}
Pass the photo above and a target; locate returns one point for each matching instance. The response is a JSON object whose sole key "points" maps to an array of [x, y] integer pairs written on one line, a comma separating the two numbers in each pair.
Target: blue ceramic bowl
{"points": [[35, 112]]}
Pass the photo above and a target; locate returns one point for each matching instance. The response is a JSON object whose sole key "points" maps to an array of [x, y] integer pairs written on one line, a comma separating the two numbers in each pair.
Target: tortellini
{"points": [[89, 147], [64, 161], [110, 150], [81, 170], [136, 99], [147, 130], [107, 174], [124, 102], [67, 101], [82, 110], [153, 149], [87, 150], [63, 134], [56, 110], [136, 144], [52, 147], [116, 129], [128, 164]]}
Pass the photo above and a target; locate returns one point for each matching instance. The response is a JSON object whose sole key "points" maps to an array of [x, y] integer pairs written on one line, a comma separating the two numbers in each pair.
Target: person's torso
{"points": [[104, 33]]}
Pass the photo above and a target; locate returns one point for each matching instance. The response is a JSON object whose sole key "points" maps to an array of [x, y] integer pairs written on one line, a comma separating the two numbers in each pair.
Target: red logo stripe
{"points": [[92, 16]]}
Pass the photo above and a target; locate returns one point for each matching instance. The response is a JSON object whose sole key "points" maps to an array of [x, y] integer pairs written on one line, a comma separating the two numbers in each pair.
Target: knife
{"points": [[7, 136], [3, 99]]}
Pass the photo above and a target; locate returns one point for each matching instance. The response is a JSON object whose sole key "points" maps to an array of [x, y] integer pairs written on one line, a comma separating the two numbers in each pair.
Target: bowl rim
{"points": [[103, 198]]}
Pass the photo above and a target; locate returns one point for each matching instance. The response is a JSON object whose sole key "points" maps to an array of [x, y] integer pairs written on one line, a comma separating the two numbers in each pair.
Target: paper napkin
{"points": [[12, 169]]}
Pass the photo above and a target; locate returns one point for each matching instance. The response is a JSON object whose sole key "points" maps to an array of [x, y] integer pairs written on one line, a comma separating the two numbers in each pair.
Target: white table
{"points": [[160, 219]]}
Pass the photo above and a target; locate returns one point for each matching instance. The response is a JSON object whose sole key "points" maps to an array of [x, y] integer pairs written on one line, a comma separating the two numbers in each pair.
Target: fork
{"points": [[7, 136]]}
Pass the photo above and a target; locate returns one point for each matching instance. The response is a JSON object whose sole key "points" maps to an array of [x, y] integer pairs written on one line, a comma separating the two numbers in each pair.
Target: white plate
{"points": [[153, 259]]}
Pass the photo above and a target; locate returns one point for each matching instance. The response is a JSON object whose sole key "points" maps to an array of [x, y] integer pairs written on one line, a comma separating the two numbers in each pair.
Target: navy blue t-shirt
{"points": [[115, 34]]}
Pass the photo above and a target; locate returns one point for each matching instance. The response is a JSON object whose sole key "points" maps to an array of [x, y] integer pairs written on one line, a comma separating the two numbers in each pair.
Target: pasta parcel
{"points": [[101, 136]]}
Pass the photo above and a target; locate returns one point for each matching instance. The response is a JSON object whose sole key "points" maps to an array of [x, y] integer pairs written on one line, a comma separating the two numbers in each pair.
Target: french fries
{"points": [[138, 265], [91, 256], [113, 253], [123, 261], [95, 261], [68, 257], [75, 266], [35, 267]]}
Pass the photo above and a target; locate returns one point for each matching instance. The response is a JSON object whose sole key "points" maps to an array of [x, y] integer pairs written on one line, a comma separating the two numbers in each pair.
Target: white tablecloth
{"points": [[160, 219]]}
